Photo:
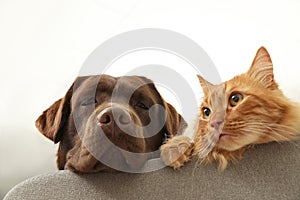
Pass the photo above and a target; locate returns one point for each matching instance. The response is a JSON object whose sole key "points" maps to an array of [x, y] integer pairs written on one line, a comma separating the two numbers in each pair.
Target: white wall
{"points": [[44, 43]]}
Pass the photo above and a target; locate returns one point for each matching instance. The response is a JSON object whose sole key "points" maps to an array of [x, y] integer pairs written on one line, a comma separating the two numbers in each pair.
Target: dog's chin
{"points": [[111, 159], [119, 139], [93, 166], [114, 149], [125, 150], [123, 160]]}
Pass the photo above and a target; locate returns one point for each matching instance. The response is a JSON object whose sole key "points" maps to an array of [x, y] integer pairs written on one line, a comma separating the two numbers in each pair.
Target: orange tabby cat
{"points": [[246, 110]]}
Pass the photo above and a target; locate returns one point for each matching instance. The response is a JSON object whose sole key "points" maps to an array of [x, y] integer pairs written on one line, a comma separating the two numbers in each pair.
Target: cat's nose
{"points": [[216, 123]]}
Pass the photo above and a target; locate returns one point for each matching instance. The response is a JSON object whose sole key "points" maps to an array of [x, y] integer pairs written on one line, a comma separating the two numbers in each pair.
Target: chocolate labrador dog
{"points": [[106, 123]]}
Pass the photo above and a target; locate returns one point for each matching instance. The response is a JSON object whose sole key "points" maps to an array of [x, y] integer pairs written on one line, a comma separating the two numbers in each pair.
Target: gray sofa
{"points": [[270, 171]]}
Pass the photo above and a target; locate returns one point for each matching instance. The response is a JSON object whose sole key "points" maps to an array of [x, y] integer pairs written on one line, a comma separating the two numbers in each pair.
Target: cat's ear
{"points": [[206, 86], [261, 69]]}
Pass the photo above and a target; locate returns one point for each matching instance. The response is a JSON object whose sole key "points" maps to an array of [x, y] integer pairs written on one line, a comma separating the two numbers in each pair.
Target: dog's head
{"points": [[103, 122]]}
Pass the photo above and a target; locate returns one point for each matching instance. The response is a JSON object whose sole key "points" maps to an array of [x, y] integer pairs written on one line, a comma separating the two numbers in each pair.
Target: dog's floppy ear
{"points": [[52, 121], [175, 123]]}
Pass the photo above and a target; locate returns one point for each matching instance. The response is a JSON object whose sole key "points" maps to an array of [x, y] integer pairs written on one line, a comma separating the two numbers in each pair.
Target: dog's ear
{"points": [[175, 123], [52, 121]]}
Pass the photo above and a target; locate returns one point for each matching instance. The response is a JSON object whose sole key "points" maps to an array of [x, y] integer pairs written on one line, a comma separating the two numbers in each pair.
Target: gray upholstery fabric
{"points": [[270, 171]]}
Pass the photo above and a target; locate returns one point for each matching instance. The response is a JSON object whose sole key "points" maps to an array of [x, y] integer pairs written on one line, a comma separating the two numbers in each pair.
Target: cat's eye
{"points": [[206, 112], [235, 99], [88, 102]]}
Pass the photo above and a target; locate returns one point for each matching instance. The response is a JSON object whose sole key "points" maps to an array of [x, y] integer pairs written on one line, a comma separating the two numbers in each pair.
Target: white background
{"points": [[44, 43]]}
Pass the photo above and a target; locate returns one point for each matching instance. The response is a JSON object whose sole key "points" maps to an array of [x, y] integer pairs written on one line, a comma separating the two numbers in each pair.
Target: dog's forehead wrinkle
{"points": [[123, 87], [92, 87], [133, 82], [134, 89], [106, 83]]}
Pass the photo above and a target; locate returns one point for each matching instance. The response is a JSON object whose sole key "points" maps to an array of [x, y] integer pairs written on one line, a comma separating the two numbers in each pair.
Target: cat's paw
{"points": [[176, 151]]}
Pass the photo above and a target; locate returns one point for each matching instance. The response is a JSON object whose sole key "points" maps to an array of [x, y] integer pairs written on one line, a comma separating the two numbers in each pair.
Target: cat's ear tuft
{"points": [[261, 69], [206, 86]]}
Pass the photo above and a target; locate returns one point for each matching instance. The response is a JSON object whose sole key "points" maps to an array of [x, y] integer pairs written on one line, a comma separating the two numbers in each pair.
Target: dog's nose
{"points": [[104, 118], [109, 115]]}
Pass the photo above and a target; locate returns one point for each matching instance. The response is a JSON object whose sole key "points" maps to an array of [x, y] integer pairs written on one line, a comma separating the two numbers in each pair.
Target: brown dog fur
{"points": [[60, 122]]}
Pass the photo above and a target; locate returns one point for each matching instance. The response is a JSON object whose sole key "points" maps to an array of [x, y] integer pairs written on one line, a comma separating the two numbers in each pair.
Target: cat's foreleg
{"points": [[177, 151]]}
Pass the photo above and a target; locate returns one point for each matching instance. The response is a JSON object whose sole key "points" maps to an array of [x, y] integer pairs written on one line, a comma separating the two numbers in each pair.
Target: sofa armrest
{"points": [[270, 171]]}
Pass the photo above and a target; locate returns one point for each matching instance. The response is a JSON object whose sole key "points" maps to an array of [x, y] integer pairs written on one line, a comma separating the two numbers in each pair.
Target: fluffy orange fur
{"points": [[249, 109]]}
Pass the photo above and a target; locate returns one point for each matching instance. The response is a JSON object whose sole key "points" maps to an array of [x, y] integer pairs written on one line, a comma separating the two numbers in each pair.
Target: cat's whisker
{"points": [[286, 128], [279, 138], [196, 164], [204, 151], [210, 141], [275, 130], [259, 132]]}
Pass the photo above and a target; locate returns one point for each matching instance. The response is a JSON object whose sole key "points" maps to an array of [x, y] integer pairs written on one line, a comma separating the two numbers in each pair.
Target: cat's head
{"points": [[248, 109]]}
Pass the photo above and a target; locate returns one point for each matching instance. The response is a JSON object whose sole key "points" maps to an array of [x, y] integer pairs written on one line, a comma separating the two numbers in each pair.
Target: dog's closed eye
{"points": [[142, 106], [89, 102]]}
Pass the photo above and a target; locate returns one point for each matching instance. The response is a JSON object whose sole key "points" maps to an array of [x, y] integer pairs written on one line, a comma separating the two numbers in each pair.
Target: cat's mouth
{"points": [[226, 136]]}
